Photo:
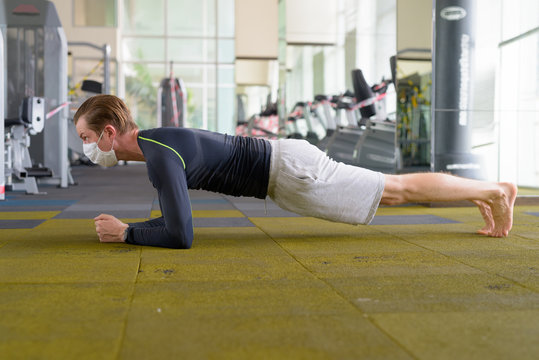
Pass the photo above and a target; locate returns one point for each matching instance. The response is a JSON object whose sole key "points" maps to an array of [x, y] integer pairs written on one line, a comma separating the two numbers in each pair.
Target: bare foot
{"points": [[487, 216], [502, 210]]}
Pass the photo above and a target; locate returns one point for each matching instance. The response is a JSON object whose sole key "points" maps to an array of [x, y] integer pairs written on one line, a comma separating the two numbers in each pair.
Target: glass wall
{"points": [[87, 62], [194, 41], [517, 94], [504, 110], [94, 13], [366, 39]]}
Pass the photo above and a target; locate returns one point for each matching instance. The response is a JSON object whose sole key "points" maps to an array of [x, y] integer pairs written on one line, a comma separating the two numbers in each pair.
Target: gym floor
{"points": [[416, 284]]}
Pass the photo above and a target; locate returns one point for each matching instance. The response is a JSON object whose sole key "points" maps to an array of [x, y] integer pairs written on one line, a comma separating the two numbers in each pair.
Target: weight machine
{"points": [[35, 69]]}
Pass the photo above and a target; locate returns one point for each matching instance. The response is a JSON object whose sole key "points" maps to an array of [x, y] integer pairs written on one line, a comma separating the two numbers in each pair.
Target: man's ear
{"points": [[110, 130]]}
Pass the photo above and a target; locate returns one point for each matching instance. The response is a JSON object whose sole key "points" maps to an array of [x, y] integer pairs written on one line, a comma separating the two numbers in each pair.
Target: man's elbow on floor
{"points": [[181, 241]]}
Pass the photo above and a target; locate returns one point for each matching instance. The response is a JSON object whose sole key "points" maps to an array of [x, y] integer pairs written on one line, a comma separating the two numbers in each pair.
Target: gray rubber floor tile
{"points": [[90, 214], [109, 207], [32, 208], [411, 220], [220, 206], [19, 224]]}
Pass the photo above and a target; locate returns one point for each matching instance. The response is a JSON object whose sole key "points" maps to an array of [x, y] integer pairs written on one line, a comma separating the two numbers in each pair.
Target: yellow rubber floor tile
{"points": [[53, 233], [12, 234], [521, 266], [232, 254], [131, 220], [469, 335], [217, 243], [217, 213], [525, 235], [66, 226], [435, 293], [444, 239], [383, 264], [431, 231], [241, 298], [153, 334], [62, 321], [222, 268], [307, 227], [65, 266], [51, 247], [324, 245], [27, 215]]}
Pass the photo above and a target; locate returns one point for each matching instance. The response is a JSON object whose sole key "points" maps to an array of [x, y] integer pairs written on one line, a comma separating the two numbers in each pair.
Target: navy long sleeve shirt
{"points": [[179, 159]]}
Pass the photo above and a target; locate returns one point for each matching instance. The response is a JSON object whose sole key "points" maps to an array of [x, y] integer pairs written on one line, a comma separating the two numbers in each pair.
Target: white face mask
{"points": [[98, 156]]}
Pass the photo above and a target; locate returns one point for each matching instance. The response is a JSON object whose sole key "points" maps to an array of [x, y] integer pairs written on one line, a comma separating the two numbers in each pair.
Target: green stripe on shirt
{"points": [[168, 147]]}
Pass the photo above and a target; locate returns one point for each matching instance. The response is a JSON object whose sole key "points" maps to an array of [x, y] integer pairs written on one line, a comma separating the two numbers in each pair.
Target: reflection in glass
{"points": [[413, 113]]}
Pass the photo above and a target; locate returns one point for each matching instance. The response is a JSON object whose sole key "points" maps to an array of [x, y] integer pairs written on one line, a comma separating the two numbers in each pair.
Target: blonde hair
{"points": [[102, 110]]}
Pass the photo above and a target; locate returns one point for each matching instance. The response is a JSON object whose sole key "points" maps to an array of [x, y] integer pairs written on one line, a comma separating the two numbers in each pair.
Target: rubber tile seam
{"points": [[130, 303], [464, 263], [339, 294]]}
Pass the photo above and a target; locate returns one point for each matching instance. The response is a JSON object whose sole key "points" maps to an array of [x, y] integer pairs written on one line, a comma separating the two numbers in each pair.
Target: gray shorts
{"points": [[305, 181]]}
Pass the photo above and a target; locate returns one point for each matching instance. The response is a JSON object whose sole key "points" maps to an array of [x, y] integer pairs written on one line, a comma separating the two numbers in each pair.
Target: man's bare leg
{"points": [[495, 200]]}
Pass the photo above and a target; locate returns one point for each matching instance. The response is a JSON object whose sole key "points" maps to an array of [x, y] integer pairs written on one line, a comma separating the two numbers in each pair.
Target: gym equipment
{"points": [[452, 75], [413, 124], [262, 125], [89, 88], [295, 130], [368, 142], [20, 173], [240, 109], [304, 123], [105, 49], [35, 64], [171, 102], [322, 106], [341, 144]]}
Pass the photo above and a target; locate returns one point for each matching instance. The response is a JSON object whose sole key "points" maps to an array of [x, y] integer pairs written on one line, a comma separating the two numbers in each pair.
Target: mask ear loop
{"points": [[100, 136]]}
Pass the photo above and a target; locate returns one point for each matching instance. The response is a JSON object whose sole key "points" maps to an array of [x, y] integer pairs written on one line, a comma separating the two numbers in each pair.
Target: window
{"points": [[95, 13], [197, 37]]}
